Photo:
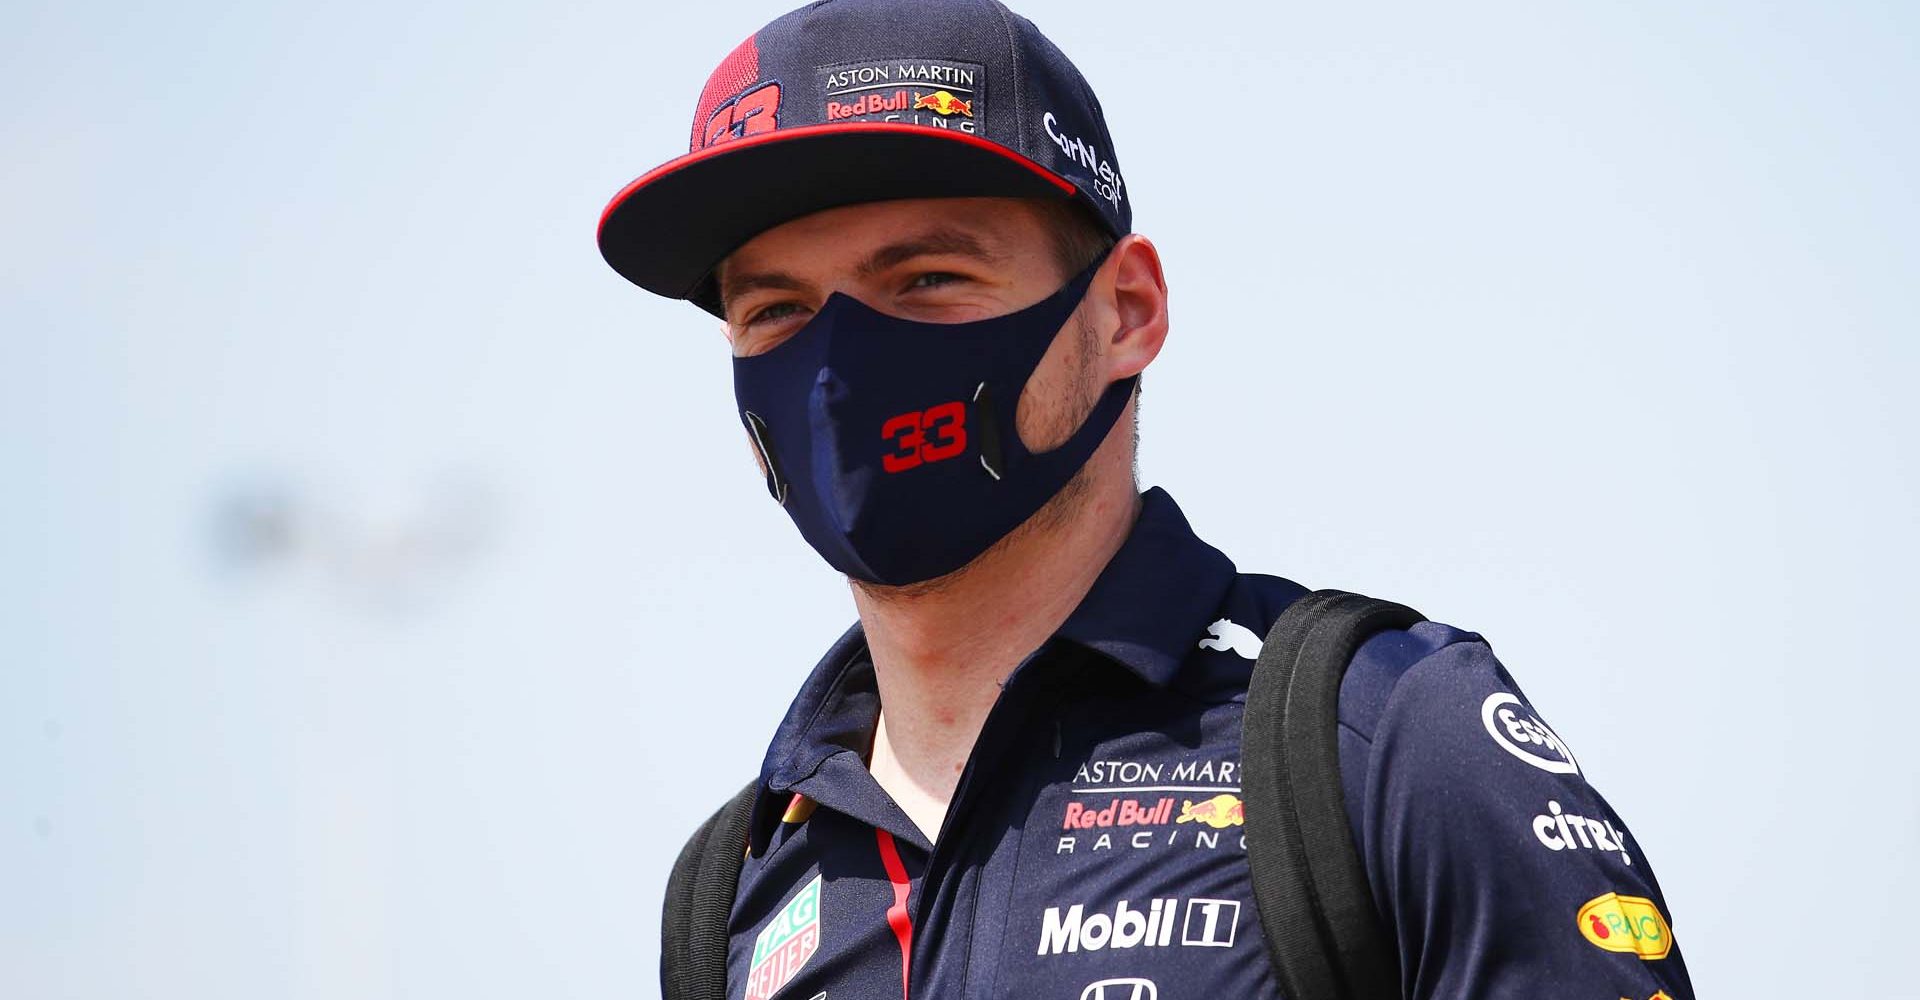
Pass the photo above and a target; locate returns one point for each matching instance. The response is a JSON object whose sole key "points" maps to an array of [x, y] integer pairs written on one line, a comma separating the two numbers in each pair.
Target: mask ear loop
{"points": [[757, 430], [986, 423], [988, 431]]}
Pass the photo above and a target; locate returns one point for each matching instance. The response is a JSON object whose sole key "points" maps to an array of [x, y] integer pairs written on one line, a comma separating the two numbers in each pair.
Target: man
{"points": [[1017, 775]]}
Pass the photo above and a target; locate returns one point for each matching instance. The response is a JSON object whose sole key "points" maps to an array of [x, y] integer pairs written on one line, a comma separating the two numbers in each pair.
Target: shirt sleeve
{"points": [[1501, 872]]}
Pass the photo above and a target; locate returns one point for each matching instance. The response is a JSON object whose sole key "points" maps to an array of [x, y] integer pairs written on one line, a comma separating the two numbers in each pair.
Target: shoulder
{"points": [[1220, 660], [1428, 655], [1431, 715], [1256, 601]]}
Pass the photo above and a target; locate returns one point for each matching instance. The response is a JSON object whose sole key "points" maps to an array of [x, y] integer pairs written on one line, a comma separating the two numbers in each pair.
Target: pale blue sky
{"points": [[1590, 327]]}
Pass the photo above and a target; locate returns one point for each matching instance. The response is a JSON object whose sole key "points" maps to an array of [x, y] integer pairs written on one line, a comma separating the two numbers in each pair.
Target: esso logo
{"points": [[1521, 733]]}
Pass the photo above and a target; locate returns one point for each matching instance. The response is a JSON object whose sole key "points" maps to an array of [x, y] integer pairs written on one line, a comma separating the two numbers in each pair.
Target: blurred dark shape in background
{"points": [[387, 551]]}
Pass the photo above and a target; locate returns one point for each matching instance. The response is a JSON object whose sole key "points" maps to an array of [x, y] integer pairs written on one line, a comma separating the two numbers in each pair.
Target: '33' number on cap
{"points": [[749, 114]]}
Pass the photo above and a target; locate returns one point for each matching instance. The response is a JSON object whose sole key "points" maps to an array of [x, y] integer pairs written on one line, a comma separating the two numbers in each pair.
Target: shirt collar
{"points": [[1151, 605], [833, 713], [1146, 611]]}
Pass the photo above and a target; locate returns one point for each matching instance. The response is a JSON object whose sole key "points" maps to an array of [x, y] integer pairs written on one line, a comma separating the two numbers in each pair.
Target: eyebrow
{"points": [[934, 241], [951, 242], [733, 285]]}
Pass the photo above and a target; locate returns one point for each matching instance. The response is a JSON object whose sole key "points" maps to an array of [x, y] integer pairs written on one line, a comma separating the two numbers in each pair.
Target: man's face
{"points": [[936, 260]]}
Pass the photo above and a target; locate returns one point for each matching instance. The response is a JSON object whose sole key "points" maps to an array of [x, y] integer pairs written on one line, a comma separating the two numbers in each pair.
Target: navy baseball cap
{"points": [[847, 101]]}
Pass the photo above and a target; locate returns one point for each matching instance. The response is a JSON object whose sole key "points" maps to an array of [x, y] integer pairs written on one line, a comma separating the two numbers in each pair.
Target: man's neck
{"points": [[940, 656]]}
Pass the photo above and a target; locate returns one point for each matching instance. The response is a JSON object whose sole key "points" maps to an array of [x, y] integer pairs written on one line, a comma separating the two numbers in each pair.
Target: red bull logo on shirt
{"points": [[785, 944], [1219, 812], [1144, 804], [1117, 812]]}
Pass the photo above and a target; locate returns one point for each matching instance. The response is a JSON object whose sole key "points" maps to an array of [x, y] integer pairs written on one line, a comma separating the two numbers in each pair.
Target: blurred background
{"points": [[386, 590]]}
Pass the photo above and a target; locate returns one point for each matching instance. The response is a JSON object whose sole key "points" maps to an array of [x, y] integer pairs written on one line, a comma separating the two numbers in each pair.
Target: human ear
{"points": [[1136, 292]]}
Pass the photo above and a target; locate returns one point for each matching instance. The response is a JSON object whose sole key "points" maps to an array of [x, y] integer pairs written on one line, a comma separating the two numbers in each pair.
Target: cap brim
{"points": [[666, 231]]}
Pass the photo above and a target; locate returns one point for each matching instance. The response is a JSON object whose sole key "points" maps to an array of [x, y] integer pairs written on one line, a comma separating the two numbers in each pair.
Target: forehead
{"points": [[1008, 228]]}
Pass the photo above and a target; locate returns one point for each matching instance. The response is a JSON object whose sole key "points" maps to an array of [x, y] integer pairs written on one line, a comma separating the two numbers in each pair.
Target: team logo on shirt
{"points": [[1563, 831], [1631, 925], [1156, 776], [1219, 812], [1119, 812], [786, 943], [1188, 803], [1131, 988], [1520, 732]]}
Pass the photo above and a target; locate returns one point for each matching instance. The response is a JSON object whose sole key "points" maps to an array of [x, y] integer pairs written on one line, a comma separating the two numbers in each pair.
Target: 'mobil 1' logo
{"points": [[1521, 733]]}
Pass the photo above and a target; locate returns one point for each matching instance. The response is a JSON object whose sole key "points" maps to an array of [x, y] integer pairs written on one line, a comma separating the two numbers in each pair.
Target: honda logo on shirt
{"points": [[1121, 989]]}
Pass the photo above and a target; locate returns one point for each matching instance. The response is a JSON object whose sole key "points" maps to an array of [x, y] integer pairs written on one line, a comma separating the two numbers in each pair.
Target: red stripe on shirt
{"points": [[897, 913]]}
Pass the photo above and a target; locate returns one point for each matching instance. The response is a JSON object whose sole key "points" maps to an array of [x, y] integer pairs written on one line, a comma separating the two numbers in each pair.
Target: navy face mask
{"points": [[892, 443]]}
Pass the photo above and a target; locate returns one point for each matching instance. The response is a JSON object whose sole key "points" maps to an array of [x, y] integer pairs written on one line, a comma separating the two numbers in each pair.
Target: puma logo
{"points": [[1227, 635]]}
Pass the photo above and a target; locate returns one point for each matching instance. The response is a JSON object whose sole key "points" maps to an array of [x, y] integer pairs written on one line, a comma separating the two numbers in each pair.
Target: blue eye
{"points": [[779, 310], [934, 279]]}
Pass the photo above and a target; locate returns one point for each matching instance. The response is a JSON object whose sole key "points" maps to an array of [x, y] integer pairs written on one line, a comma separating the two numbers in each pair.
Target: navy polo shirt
{"points": [[1093, 848]]}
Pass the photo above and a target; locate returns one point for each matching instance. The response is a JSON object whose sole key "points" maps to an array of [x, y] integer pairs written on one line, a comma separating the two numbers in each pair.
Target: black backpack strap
{"points": [[1308, 880], [693, 925]]}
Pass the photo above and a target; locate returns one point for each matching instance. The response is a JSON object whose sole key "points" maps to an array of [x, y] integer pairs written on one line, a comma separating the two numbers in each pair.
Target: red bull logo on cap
{"points": [[933, 93], [869, 104], [942, 102]]}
